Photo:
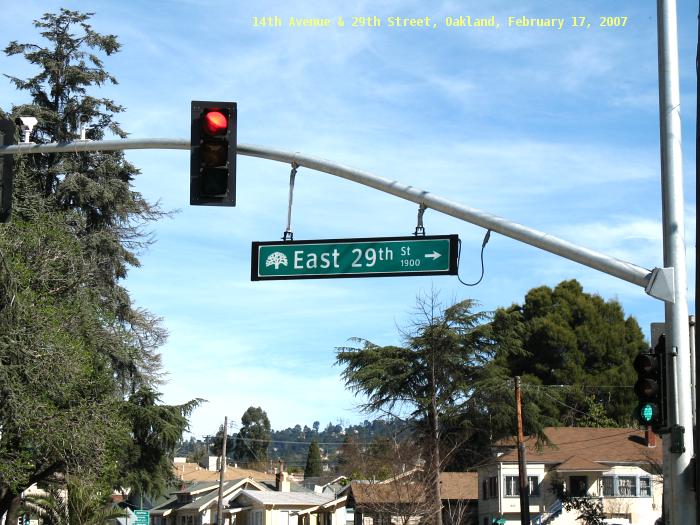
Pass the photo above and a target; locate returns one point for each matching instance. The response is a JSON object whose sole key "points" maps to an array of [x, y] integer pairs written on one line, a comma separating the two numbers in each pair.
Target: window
{"points": [[484, 490], [493, 487], [512, 486], [608, 485], [533, 483], [627, 486]]}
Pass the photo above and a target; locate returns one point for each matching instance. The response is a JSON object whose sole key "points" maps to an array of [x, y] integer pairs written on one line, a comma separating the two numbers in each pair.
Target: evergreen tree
{"points": [[313, 467], [78, 362], [432, 374], [577, 341], [253, 438]]}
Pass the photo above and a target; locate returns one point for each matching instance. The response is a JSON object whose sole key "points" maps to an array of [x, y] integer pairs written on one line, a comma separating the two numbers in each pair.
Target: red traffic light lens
{"points": [[215, 122]]}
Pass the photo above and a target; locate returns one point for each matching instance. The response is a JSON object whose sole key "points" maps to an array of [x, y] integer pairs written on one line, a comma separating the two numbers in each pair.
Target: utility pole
{"points": [[522, 463], [222, 471], [678, 445]]}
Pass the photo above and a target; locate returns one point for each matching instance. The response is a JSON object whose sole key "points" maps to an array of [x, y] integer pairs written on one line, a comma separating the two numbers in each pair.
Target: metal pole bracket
{"points": [[661, 285]]}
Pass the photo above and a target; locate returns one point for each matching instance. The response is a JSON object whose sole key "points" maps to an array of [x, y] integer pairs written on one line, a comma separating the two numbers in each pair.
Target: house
{"points": [[402, 500], [325, 484], [197, 504], [290, 504], [459, 492], [620, 467]]}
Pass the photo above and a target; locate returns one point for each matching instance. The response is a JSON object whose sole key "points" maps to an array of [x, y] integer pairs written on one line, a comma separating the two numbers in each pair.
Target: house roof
{"points": [[393, 492], [204, 495], [579, 464], [166, 507], [302, 499], [190, 472], [459, 485], [597, 445]]}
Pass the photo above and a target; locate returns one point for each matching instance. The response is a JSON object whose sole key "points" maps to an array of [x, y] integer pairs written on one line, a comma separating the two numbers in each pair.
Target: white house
{"points": [[619, 467]]}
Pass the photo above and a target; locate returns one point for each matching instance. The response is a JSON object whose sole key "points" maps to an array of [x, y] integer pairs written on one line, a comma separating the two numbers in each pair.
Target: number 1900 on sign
{"points": [[369, 257]]}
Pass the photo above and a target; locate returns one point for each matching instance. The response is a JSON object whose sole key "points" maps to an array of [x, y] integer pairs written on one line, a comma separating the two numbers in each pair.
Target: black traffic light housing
{"points": [[213, 153], [7, 138], [651, 387]]}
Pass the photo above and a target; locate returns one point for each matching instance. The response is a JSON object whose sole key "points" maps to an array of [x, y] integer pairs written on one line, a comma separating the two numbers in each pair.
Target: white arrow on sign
{"points": [[433, 255]]}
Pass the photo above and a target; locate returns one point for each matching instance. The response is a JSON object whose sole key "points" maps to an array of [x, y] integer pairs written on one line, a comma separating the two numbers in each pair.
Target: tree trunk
{"points": [[435, 452], [9, 503]]}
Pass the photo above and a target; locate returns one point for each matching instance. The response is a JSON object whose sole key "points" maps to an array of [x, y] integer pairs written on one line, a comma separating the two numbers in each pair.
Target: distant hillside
{"points": [[291, 445]]}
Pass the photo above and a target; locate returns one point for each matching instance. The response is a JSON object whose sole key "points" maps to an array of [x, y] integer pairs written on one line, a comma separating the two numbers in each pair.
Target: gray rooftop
{"points": [[287, 498]]}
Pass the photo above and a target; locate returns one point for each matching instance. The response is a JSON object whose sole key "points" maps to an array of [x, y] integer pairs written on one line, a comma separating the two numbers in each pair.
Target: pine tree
{"points": [[432, 375], [75, 354], [313, 467]]}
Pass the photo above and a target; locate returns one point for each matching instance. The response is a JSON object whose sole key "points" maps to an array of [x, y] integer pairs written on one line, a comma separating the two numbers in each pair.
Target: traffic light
{"points": [[651, 386], [7, 138], [213, 154]]}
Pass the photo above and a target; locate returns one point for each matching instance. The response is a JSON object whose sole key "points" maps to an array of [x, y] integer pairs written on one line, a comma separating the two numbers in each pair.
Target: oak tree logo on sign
{"points": [[276, 259]]}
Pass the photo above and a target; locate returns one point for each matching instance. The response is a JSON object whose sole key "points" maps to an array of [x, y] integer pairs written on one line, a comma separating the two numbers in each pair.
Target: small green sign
{"points": [[142, 517], [368, 257]]}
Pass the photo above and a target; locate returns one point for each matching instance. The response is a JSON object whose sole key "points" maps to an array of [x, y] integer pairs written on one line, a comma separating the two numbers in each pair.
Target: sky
{"points": [[556, 128]]}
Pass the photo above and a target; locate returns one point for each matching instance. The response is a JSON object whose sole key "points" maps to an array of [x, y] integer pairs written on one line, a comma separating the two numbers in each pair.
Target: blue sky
{"points": [[555, 129]]}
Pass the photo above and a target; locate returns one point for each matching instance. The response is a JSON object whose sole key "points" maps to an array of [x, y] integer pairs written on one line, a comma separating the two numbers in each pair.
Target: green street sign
{"points": [[369, 257], [142, 517]]}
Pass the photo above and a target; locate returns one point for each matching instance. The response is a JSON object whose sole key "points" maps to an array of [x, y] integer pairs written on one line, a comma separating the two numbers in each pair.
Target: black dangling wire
{"points": [[459, 253]]}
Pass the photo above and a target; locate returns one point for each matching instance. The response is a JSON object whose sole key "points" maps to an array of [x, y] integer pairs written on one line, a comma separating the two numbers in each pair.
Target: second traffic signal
{"points": [[651, 387], [213, 154]]}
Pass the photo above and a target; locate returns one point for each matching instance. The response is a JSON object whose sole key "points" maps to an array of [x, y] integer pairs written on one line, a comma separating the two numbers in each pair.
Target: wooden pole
{"points": [[522, 464], [222, 470]]}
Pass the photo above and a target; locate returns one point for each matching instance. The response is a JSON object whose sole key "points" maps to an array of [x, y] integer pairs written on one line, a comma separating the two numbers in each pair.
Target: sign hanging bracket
{"points": [[288, 235], [420, 230]]}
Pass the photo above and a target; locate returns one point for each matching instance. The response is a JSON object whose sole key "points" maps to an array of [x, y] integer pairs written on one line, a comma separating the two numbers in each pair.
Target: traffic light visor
{"points": [[646, 364]]}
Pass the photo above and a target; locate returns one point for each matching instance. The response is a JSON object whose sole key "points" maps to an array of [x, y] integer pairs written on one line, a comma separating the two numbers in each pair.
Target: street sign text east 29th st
{"points": [[372, 257]]}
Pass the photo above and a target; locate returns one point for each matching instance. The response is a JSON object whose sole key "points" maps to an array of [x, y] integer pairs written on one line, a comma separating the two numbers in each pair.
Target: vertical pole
{"points": [[222, 470], [522, 464], [677, 481]]}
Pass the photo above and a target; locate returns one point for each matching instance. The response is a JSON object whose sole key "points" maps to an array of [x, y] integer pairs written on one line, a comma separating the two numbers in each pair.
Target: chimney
{"points": [[650, 437], [282, 480]]}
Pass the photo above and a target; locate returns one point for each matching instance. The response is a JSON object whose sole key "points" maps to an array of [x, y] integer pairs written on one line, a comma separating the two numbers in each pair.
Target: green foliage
{"points": [[156, 430], [313, 461], [253, 438], [590, 510], [78, 361], [79, 503], [432, 375], [564, 336], [442, 356], [217, 445]]}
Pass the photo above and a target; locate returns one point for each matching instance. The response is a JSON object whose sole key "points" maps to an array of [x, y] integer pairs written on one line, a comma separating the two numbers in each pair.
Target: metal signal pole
{"points": [[678, 445]]}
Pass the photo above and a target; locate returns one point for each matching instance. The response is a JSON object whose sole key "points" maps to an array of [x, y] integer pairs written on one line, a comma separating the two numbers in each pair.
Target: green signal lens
{"points": [[647, 412]]}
